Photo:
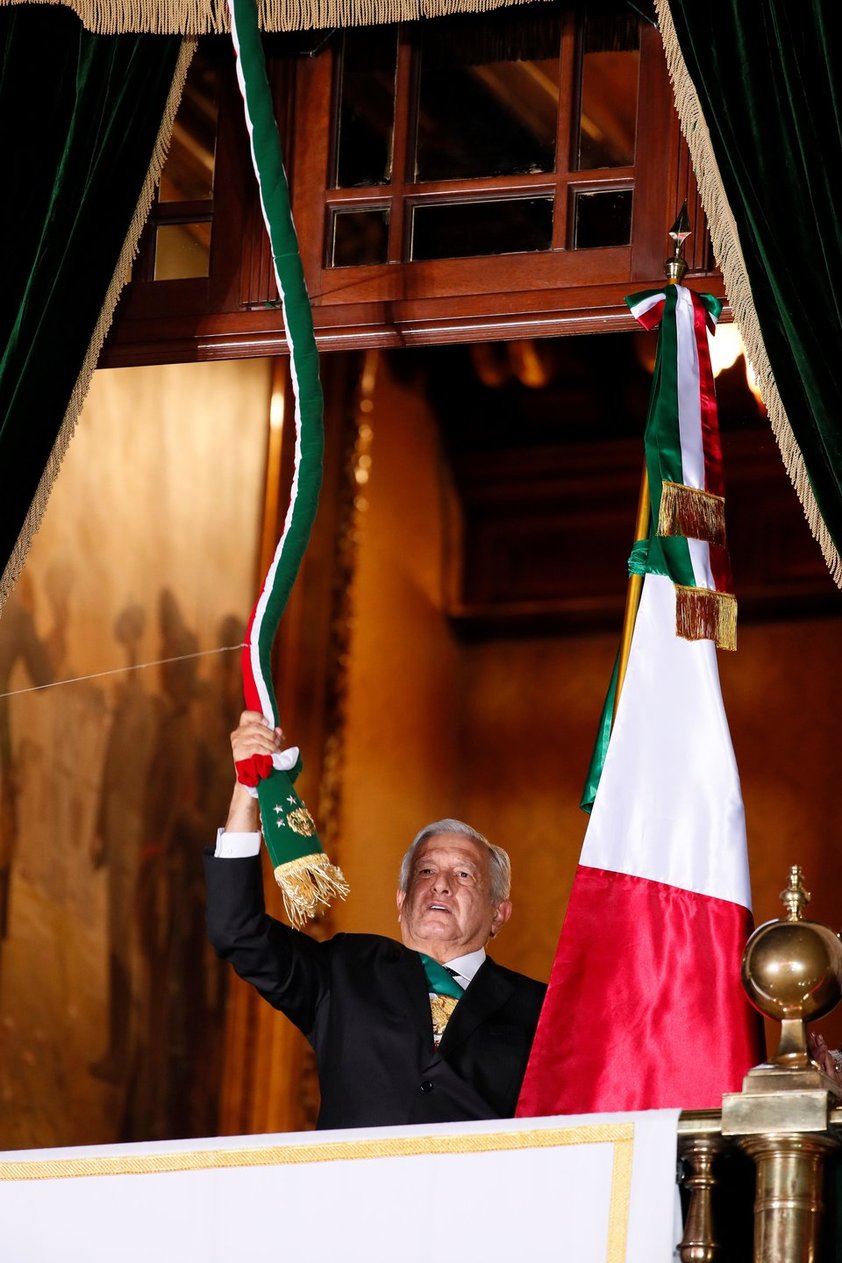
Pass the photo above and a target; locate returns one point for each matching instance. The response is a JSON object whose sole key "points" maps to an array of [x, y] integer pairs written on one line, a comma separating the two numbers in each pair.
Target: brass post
{"points": [[788, 1200], [792, 971], [699, 1244]]}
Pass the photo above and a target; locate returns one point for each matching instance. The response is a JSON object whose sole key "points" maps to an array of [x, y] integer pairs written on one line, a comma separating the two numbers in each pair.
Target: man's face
{"points": [[447, 910]]}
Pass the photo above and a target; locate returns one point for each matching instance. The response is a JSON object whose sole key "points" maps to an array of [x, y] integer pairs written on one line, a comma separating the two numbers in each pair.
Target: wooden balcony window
{"points": [[512, 174]]}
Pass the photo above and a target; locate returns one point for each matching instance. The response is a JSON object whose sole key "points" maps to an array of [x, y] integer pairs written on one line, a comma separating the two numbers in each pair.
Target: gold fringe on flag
{"points": [[729, 256], [308, 882], [702, 614], [691, 512]]}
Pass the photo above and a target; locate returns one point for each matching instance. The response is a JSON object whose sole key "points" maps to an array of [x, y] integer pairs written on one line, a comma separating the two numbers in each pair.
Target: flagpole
{"points": [[674, 268], [641, 531]]}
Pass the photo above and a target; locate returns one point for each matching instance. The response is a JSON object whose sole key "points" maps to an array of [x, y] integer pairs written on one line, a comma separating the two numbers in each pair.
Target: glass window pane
{"points": [[602, 218], [358, 237], [608, 100], [487, 95], [460, 230], [188, 171], [366, 107], [182, 251]]}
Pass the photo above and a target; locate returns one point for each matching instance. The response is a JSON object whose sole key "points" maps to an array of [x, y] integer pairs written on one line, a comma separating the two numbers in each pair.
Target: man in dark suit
{"points": [[390, 1047]]}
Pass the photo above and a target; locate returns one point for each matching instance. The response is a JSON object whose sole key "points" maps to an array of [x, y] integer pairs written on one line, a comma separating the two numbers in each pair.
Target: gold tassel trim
{"points": [[308, 882], [441, 1011], [729, 257], [121, 275], [208, 17], [701, 614], [691, 512]]}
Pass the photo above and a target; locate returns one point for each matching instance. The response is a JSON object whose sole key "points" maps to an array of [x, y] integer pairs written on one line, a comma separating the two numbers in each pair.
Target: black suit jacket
{"points": [[363, 1003]]}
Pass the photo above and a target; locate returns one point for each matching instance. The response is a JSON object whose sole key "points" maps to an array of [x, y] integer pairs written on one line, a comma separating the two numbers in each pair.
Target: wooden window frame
{"points": [[234, 312]]}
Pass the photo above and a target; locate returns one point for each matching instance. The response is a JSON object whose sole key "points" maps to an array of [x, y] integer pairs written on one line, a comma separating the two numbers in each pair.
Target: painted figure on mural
{"points": [[160, 1085], [118, 842], [219, 704], [174, 1072], [20, 645]]}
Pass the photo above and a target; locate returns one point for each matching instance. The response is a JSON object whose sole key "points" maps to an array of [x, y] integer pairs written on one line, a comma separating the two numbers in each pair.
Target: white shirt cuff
{"points": [[235, 846]]}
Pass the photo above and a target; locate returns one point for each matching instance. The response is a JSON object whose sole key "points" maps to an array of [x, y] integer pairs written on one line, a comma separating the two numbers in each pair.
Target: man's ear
{"points": [[399, 899], [502, 912]]}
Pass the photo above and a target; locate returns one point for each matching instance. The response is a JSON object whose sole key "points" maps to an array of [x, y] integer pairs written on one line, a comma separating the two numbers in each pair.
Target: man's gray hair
{"points": [[499, 864]]}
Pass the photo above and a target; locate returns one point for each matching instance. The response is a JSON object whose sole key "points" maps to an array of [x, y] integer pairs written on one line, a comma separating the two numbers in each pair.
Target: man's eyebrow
{"points": [[470, 865]]}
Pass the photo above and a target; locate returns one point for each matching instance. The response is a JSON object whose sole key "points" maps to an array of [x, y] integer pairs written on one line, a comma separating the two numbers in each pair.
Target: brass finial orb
{"points": [[792, 969], [676, 265]]}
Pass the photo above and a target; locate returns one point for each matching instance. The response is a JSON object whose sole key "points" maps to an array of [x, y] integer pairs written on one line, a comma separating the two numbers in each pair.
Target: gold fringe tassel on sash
{"points": [[118, 280], [208, 17], [729, 256], [308, 882], [702, 614], [691, 512]]}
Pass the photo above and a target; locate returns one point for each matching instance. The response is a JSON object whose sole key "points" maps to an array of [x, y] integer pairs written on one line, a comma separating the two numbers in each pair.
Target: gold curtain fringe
{"points": [[691, 512], [729, 256], [702, 614], [308, 882], [121, 275], [208, 17]]}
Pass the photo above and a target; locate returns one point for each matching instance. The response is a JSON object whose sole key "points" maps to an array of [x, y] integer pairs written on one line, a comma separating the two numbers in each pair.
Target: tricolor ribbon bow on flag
{"points": [[303, 872], [684, 463], [645, 1009]]}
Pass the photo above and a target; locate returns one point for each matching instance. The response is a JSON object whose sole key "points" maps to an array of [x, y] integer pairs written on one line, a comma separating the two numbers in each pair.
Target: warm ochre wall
{"points": [[531, 708], [500, 733], [403, 688], [783, 696]]}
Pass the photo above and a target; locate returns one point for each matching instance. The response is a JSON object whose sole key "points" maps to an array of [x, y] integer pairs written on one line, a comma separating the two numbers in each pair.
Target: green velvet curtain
{"points": [[767, 77], [80, 119]]}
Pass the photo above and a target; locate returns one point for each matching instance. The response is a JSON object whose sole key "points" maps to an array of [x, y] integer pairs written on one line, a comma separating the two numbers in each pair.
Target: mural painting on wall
{"points": [[111, 1002]]}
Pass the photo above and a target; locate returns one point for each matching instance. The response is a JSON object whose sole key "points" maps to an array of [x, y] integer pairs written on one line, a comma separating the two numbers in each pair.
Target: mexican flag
{"points": [[645, 1009]]}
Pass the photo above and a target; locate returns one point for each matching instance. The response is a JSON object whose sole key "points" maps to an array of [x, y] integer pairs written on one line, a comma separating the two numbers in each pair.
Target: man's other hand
{"points": [[827, 1059]]}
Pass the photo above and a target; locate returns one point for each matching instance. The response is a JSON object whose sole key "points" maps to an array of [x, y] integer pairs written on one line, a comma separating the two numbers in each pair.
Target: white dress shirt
{"points": [[465, 967], [235, 846]]}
